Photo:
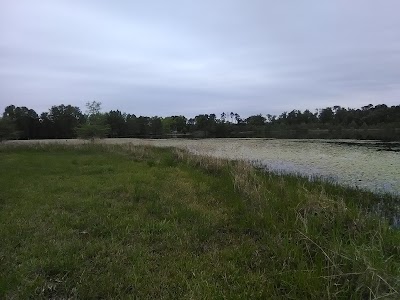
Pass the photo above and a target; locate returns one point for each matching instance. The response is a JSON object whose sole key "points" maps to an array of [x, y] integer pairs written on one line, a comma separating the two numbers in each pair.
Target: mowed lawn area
{"points": [[94, 221]]}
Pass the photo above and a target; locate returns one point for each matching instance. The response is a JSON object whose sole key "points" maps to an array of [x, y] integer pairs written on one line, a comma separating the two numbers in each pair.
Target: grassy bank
{"points": [[122, 221]]}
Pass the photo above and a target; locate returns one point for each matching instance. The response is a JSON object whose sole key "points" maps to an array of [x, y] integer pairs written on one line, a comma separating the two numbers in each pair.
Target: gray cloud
{"points": [[181, 57]]}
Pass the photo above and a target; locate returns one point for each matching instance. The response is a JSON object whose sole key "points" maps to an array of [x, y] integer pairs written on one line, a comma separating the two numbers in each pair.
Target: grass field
{"points": [[94, 221]]}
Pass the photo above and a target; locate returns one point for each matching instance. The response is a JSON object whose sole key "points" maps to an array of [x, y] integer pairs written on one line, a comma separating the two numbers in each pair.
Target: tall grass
{"points": [[123, 221], [319, 234]]}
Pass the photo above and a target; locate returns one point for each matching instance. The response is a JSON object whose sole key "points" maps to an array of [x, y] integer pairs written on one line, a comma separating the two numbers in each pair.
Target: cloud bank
{"points": [[183, 57]]}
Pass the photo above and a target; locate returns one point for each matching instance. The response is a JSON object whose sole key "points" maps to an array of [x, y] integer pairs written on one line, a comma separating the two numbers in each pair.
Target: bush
{"points": [[91, 131]]}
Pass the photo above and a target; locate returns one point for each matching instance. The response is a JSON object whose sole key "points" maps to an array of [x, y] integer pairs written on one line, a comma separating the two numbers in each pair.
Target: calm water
{"points": [[369, 165]]}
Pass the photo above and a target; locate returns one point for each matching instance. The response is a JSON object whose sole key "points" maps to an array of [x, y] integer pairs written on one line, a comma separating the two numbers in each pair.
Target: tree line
{"points": [[67, 121]]}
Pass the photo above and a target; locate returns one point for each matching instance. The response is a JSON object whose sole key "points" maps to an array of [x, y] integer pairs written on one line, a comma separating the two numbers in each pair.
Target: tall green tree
{"points": [[156, 128], [257, 120], [117, 123], [326, 115], [143, 124], [96, 124], [132, 127], [7, 129], [65, 119], [25, 120]]}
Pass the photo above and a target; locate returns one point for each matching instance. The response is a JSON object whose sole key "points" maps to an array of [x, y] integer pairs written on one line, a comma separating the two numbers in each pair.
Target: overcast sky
{"points": [[190, 57]]}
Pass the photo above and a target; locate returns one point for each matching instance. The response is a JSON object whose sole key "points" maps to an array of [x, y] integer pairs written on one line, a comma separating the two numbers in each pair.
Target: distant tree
{"points": [[222, 129], [9, 112], [326, 115], [47, 129], [232, 114], [25, 121], [223, 117], [294, 117], [132, 128], [308, 117], [156, 126], [201, 122], [340, 115], [168, 125], [257, 120], [93, 108], [116, 122], [96, 126], [238, 119], [180, 123], [143, 124], [93, 112], [92, 131], [65, 119], [7, 129], [174, 124], [191, 124], [211, 124], [367, 107], [282, 119]]}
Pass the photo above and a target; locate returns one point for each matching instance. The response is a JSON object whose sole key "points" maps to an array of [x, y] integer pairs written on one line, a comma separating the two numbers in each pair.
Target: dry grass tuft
{"points": [[211, 164], [247, 182]]}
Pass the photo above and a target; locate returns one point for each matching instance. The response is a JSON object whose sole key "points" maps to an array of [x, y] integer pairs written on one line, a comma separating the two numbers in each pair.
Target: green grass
{"points": [[137, 222]]}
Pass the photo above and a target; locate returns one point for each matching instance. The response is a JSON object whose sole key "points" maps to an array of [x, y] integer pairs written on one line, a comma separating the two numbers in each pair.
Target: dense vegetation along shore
{"points": [[378, 122], [101, 221]]}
